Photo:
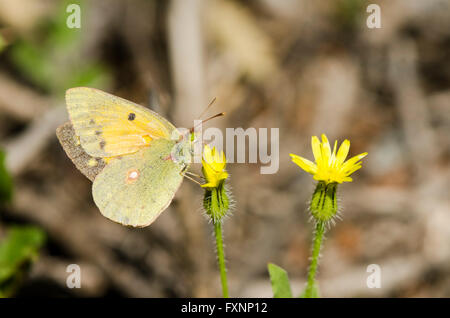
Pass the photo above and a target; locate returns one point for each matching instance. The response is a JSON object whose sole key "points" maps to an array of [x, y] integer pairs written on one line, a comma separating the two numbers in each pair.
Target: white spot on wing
{"points": [[132, 175]]}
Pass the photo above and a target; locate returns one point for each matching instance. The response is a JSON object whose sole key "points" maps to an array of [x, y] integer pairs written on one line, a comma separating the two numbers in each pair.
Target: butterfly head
{"points": [[183, 149]]}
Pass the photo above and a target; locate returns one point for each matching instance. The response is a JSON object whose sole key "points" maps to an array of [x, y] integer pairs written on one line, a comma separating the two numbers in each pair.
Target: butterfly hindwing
{"points": [[136, 188], [110, 126], [87, 164]]}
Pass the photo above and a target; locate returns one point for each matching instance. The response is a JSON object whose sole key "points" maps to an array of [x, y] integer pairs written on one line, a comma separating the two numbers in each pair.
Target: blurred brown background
{"points": [[306, 67]]}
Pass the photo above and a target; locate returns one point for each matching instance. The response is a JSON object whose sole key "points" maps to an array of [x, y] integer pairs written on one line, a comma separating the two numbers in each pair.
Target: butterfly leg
{"points": [[192, 179], [194, 175], [190, 175]]}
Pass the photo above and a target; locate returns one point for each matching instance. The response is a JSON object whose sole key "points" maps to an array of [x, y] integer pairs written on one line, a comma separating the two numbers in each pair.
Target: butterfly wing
{"points": [[88, 165], [134, 189], [110, 126]]}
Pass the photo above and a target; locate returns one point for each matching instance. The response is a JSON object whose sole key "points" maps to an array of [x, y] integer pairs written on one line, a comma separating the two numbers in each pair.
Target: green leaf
{"points": [[280, 282], [89, 74], [17, 250], [32, 60], [6, 184]]}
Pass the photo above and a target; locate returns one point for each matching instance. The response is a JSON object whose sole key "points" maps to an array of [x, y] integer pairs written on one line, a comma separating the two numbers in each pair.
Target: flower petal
{"points": [[305, 164], [333, 155], [353, 169], [213, 165], [353, 161], [343, 152], [326, 150], [207, 154], [316, 148], [347, 179]]}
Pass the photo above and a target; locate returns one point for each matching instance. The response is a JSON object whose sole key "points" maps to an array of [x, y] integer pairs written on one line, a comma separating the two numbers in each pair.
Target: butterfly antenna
{"points": [[205, 120], [207, 107]]}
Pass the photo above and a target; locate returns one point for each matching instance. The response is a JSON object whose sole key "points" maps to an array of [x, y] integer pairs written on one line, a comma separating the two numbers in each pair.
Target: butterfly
{"points": [[135, 157]]}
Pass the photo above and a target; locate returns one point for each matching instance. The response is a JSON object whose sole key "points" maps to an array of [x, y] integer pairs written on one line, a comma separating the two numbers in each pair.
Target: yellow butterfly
{"points": [[135, 157]]}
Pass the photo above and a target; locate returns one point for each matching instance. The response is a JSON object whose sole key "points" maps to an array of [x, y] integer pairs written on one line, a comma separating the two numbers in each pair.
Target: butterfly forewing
{"points": [[109, 126]]}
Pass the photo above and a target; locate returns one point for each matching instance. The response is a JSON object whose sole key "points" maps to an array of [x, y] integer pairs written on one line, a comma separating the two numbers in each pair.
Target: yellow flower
{"points": [[330, 167], [214, 164]]}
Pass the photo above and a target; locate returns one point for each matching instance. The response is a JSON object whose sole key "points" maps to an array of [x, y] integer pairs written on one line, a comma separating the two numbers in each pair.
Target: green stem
{"points": [[310, 290], [221, 257]]}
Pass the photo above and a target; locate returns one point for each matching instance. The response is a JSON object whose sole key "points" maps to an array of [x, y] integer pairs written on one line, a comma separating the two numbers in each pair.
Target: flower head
{"points": [[330, 166], [216, 201], [214, 164]]}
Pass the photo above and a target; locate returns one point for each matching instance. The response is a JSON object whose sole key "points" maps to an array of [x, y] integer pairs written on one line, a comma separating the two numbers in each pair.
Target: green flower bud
{"points": [[216, 202], [323, 204]]}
